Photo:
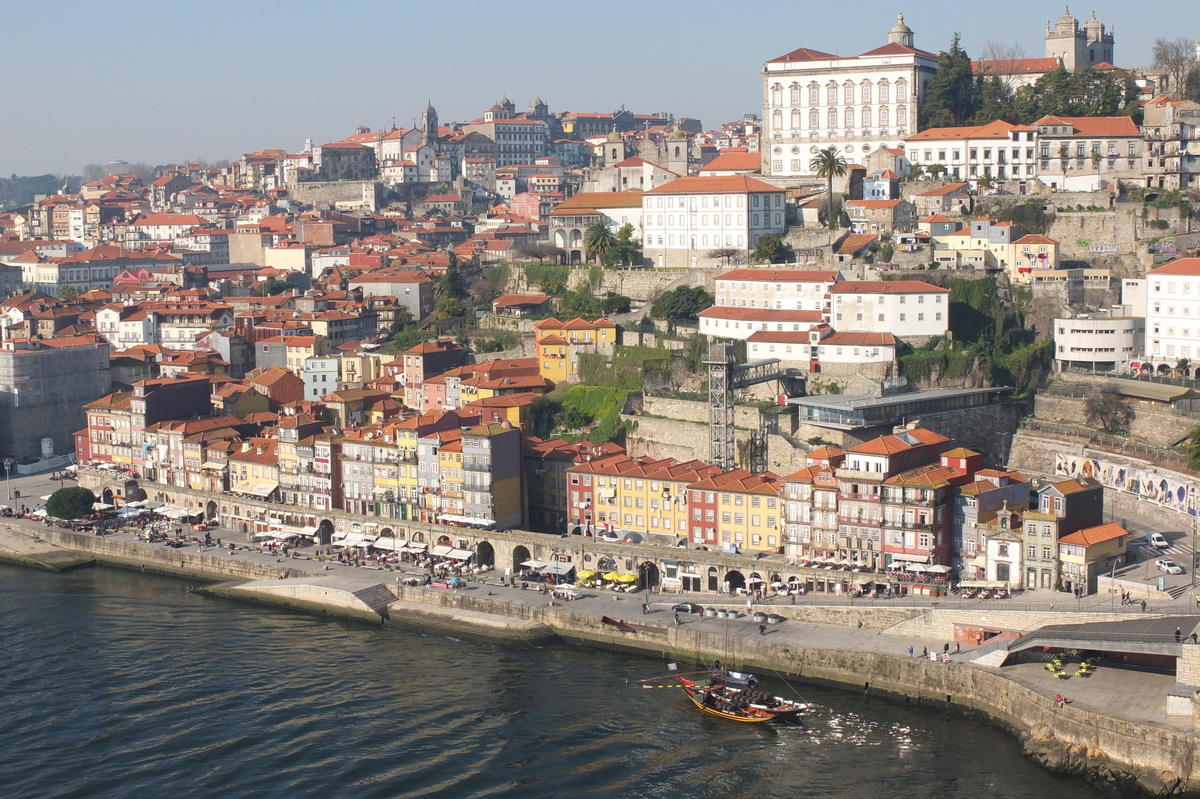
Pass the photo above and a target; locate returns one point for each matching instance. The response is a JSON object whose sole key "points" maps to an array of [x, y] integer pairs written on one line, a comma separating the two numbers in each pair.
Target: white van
{"points": [[1157, 540]]}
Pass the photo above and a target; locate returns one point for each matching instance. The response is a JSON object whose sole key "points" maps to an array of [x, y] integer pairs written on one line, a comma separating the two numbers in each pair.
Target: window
{"points": [[884, 92], [814, 94], [883, 113], [831, 95]]}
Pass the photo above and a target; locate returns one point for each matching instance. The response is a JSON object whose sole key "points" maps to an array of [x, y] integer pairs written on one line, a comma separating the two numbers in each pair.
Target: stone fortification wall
{"points": [[1158, 428], [693, 411], [356, 194], [186, 561]]}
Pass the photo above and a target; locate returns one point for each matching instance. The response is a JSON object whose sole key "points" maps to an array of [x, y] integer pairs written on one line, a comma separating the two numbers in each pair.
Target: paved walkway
{"points": [[1132, 693]]}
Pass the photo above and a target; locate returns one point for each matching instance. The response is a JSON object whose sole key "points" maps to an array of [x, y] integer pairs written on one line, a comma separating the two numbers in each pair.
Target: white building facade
{"points": [[1000, 150], [813, 100], [687, 220], [909, 309], [1173, 315]]}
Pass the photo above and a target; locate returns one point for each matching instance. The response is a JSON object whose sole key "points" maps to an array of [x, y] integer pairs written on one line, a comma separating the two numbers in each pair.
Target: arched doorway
{"points": [[1164, 370], [325, 532], [714, 581], [576, 530], [520, 555], [606, 564], [106, 496], [648, 575], [735, 580], [210, 510], [444, 541], [485, 555]]}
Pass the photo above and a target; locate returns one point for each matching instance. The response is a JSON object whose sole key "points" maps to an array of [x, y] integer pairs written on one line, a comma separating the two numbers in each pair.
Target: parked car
{"points": [[1168, 566], [608, 535], [687, 607], [1157, 540]]}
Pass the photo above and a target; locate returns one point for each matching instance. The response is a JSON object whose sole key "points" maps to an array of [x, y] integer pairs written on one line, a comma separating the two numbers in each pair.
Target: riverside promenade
{"points": [[1114, 728]]}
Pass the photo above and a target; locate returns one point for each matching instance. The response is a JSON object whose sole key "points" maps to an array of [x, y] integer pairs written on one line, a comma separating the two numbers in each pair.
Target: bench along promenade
{"points": [[1116, 726]]}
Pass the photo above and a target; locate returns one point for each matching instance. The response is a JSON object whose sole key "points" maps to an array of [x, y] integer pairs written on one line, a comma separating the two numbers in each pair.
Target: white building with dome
{"points": [[813, 100]]}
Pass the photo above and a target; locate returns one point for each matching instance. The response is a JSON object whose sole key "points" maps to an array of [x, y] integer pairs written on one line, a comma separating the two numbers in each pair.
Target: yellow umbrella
{"points": [[626, 578], [583, 575], [611, 576]]}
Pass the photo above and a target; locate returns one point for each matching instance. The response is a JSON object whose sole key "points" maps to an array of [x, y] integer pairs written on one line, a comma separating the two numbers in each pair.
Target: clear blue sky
{"points": [[165, 81]]}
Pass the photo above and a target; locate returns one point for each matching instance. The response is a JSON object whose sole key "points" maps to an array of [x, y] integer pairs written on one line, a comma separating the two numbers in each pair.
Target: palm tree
{"points": [[1096, 159], [828, 164], [597, 240], [1064, 153]]}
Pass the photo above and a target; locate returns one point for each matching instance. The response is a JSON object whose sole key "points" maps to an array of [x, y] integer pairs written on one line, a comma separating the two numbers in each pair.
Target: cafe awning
{"points": [[357, 540], [910, 558], [212, 466], [534, 564], [450, 517], [260, 488], [308, 531], [411, 547], [389, 543], [558, 567]]}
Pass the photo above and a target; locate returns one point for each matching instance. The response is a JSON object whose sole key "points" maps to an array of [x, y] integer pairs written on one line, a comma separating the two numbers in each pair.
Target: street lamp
{"points": [[8, 464]]}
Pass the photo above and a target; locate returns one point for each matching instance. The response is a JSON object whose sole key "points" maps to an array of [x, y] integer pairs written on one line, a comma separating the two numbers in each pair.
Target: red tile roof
{"points": [[1184, 266], [886, 287], [725, 184], [783, 275]]}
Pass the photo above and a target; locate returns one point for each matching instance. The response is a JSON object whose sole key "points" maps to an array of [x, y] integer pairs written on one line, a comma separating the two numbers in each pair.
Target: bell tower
{"points": [[429, 126]]}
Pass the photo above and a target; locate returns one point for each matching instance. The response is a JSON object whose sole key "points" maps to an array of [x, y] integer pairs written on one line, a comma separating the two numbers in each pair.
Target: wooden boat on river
{"points": [[775, 707], [714, 704]]}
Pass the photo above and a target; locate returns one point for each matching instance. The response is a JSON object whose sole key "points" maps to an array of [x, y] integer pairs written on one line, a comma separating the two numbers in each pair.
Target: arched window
{"points": [[884, 91], [866, 91], [814, 119], [883, 116], [831, 93], [776, 95], [849, 118], [795, 93], [901, 90], [866, 118], [848, 92], [902, 115], [832, 120], [795, 119]]}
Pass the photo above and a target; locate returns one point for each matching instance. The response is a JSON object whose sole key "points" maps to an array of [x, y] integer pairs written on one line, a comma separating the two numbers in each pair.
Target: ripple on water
{"points": [[119, 684]]}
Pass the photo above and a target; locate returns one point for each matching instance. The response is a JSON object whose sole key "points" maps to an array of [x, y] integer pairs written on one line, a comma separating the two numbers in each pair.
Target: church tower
{"points": [[1066, 41], [900, 33], [1099, 42], [429, 126]]}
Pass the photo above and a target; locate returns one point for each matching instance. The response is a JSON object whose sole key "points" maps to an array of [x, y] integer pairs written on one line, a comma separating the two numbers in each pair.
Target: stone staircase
{"points": [[377, 598]]}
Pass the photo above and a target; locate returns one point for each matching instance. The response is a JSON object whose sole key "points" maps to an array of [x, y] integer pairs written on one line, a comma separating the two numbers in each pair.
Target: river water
{"points": [[117, 684]]}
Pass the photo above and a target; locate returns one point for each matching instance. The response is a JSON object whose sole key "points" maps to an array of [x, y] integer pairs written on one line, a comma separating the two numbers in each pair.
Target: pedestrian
{"points": [[1178, 635], [1143, 606], [978, 639], [946, 649], [749, 603], [910, 651], [677, 621], [957, 647], [762, 629], [1058, 700], [793, 594], [924, 652], [645, 608]]}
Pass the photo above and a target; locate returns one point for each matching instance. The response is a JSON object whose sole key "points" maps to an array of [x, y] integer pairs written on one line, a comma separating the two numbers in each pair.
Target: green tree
{"points": [[450, 285], [995, 101], [915, 172], [625, 250], [70, 503], [273, 286], [597, 240], [828, 164], [1193, 448], [544, 414], [770, 249], [952, 95], [450, 308], [984, 182], [685, 302]]}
